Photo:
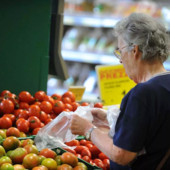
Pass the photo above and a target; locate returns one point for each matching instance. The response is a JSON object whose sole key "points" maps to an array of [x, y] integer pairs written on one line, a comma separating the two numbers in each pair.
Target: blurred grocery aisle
{"points": [[88, 40]]}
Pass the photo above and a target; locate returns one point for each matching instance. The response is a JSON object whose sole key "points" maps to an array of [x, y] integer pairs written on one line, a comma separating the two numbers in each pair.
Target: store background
{"points": [[88, 41]]}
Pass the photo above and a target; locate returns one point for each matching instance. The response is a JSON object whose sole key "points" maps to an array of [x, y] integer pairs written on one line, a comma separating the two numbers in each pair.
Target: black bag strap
{"points": [[163, 161]]}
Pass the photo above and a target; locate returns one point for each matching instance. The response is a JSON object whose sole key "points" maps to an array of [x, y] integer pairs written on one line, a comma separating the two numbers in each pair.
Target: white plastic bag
{"points": [[112, 116], [57, 132]]}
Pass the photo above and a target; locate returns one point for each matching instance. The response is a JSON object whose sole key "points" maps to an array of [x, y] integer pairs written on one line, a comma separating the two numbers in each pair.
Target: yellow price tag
{"points": [[113, 83], [78, 91]]}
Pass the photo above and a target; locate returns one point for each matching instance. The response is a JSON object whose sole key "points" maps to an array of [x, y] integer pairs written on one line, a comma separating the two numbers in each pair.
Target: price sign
{"points": [[78, 91], [113, 83]]}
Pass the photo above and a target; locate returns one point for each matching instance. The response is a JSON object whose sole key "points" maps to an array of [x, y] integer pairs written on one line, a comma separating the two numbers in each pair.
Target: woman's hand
{"points": [[79, 125], [99, 117]]}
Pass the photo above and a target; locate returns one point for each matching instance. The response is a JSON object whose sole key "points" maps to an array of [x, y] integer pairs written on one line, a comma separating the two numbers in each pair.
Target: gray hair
{"points": [[146, 32]]}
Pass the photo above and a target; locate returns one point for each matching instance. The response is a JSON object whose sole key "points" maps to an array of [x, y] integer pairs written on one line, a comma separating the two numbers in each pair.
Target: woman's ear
{"points": [[136, 51]]}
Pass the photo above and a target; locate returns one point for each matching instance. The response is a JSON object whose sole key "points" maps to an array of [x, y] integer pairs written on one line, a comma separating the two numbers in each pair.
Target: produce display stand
{"points": [[60, 151]]}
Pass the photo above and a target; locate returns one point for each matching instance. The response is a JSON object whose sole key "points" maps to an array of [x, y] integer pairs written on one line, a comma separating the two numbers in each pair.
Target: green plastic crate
{"points": [[60, 151]]}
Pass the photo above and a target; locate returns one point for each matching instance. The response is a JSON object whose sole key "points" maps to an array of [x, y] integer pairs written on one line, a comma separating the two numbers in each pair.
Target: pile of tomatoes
{"points": [[87, 151], [29, 112], [25, 114], [22, 155]]}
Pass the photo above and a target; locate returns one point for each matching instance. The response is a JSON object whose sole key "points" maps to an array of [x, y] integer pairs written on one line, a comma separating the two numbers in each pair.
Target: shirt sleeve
{"points": [[132, 125]]}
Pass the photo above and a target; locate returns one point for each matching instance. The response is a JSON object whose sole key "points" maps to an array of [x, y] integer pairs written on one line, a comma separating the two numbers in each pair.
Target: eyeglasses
{"points": [[117, 52]]}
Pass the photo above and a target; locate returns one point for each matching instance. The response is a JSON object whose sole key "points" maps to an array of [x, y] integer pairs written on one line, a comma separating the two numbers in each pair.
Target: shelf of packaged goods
{"points": [[90, 20], [88, 57]]}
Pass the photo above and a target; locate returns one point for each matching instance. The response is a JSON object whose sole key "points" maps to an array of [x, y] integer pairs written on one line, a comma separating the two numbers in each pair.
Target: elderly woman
{"points": [[142, 131]]}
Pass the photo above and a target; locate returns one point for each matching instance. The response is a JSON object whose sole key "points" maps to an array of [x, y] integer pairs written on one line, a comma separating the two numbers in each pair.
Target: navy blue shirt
{"points": [[144, 123]]}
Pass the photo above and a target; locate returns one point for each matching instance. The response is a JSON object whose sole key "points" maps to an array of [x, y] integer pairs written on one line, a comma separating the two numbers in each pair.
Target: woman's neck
{"points": [[147, 71]]}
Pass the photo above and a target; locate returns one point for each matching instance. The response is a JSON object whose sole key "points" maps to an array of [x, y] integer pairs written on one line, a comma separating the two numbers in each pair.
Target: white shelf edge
{"points": [[87, 57], [90, 21]]}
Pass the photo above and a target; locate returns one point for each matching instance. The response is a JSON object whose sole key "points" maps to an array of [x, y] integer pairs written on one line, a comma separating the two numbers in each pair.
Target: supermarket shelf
{"points": [[95, 58], [87, 57], [90, 20]]}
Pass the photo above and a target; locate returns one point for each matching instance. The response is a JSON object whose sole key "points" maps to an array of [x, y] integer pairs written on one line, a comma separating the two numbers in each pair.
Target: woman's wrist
{"points": [[89, 132]]}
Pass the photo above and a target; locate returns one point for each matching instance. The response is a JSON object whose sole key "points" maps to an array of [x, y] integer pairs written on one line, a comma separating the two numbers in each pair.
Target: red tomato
{"points": [[49, 99], [31, 160], [69, 94], [6, 106], [11, 143], [106, 163], [23, 125], [89, 142], [99, 105], [34, 122], [58, 107], [89, 145], [34, 110], [18, 167], [86, 158], [31, 148], [25, 96], [66, 100], [35, 131], [78, 149], [26, 142], [18, 155], [56, 96], [14, 100], [19, 120], [99, 163], [69, 158], [68, 106], [84, 104], [39, 95], [85, 142], [86, 152], [48, 153], [102, 156], [24, 114], [37, 103], [94, 151], [11, 116], [66, 110], [43, 116], [17, 112], [5, 122], [6, 93], [46, 106], [23, 105], [73, 142], [52, 115], [64, 167], [13, 131], [48, 120], [75, 105]]}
